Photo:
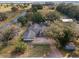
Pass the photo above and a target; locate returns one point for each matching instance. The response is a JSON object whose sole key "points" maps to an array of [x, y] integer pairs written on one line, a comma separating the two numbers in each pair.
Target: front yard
{"points": [[40, 50]]}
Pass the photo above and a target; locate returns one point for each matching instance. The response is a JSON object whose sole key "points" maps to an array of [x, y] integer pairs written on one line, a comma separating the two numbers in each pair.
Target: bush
{"points": [[22, 20], [20, 47]]}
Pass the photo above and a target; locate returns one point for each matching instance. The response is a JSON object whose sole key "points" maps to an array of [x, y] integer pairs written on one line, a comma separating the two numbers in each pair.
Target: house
{"points": [[34, 30], [29, 36], [67, 20]]}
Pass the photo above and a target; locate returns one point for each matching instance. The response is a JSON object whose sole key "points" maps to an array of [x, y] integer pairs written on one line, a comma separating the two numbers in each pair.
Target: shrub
{"points": [[20, 47], [22, 20]]}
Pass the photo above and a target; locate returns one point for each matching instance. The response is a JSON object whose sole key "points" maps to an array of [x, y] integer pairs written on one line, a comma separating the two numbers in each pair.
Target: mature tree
{"points": [[34, 9], [7, 35], [22, 20], [60, 32], [77, 16], [51, 16], [38, 6], [3, 16], [14, 9], [37, 17], [69, 9], [29, 15]]}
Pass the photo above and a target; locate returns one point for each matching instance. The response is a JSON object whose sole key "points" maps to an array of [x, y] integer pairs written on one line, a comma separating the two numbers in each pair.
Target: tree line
{"points": [[69, 9]]}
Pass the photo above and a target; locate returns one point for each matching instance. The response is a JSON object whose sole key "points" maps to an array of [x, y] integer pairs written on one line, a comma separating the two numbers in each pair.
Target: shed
{"points": [[67, 20]]}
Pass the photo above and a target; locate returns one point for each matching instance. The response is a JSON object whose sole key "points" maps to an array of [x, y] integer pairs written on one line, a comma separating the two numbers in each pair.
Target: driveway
{"points": [[55, 53]]}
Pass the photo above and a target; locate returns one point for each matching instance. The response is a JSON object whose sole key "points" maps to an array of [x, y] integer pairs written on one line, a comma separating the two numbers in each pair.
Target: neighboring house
{"points": [[67, 20], [50, 5]]}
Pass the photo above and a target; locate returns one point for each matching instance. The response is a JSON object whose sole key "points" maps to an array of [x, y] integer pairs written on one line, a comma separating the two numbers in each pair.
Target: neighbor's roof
{"points": [[67, 20]]}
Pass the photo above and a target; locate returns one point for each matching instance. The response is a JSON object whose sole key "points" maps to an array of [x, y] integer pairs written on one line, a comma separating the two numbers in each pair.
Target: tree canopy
{"points": [[22, 20], [69, 9], [6, 36], [51, 16], [14, 9], [60, 32], [37, 17]]}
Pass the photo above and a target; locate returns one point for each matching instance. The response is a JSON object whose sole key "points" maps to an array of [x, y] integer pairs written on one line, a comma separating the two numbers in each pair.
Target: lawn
{"points": [[40, 50]]}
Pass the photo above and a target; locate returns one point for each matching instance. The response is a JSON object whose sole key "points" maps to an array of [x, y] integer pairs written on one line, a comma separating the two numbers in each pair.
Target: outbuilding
{"points": [[67, 20]]}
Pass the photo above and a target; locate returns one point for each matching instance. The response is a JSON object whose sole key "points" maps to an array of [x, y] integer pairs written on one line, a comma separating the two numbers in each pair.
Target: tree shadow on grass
{"points": [[15, 54]]}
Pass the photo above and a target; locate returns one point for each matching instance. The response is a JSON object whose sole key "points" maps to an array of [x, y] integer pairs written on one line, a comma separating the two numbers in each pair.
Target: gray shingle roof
{"points": [[33, 31], [29, 35]]}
